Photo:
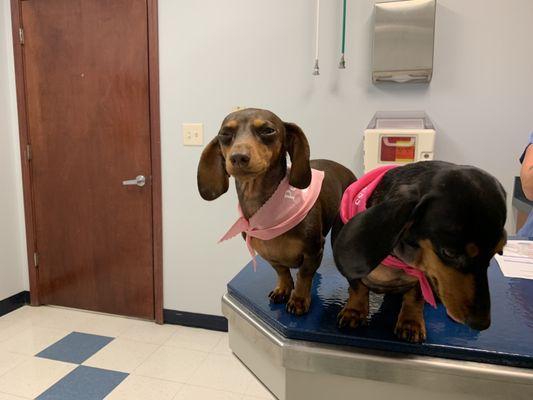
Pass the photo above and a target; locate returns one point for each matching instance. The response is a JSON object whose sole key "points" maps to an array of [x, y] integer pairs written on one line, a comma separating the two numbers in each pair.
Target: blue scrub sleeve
{"points": [[524, 153]]}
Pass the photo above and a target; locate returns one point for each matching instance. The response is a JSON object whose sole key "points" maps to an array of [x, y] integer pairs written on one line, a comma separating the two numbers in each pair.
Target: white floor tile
{"points": [[33, 377], [10, 360], [10, 329], [121, 355], [222, 372], [61, 318], [223, 346], [16, 321], [149, 332], [5, 326], [28, 315], [136, 387], [107, 325], [5, 396], [194, 339], [257, 390], [171, 363], [201, 393], [32, 340]]}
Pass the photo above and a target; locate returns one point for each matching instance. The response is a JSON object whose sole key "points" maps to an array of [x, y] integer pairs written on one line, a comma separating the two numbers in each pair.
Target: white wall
{"points": [[13, 263], [215, 55]]}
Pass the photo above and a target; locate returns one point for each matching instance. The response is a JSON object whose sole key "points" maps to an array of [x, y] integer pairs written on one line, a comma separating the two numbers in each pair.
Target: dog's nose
{"points": [[240, 159]]}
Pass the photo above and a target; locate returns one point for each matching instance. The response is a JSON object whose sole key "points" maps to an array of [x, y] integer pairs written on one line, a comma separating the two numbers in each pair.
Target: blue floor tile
{"points": [[84, 383], [75, 348]]}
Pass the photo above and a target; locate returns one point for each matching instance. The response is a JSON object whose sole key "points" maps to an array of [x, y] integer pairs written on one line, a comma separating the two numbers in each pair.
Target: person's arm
{"points": [[526, 173]]}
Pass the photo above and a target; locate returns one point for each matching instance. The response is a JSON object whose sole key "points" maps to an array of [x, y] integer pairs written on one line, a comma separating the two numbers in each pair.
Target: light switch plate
{"points": [[193, 134]]}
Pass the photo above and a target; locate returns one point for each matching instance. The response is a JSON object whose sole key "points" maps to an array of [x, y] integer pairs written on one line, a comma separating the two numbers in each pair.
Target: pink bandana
{"points": [[354, 201], [285, 209]]}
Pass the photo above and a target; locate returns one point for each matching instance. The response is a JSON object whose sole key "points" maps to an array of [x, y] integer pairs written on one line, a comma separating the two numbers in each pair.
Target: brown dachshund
{"points": [[443, 219], [251, 146]]}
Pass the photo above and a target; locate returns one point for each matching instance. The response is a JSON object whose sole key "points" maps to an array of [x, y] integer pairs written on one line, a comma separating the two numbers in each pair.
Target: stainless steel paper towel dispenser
{"points": [[404, 33]]}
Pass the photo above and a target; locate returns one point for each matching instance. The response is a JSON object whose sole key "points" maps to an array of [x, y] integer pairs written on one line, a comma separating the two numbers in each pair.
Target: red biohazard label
{"points": [[398, 149]]}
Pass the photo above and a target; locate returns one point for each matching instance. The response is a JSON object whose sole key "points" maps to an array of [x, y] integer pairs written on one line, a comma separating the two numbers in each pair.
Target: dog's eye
{"points": [[225, 136], [448, 253], [266, 131]]}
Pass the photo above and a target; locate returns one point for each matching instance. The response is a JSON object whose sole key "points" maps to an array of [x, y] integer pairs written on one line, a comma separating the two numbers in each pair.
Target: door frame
{"points": [[155, 153]]}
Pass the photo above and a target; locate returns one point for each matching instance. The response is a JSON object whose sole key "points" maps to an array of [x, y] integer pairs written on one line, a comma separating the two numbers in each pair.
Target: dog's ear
{"points": [[298, 149], [501, 244], [369, 237], [213, 180]]}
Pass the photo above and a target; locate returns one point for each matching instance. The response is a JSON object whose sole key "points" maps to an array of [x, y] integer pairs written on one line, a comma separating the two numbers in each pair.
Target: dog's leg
{"points": [[411, 325], [300, 299], [284, 287], [355, 312]]}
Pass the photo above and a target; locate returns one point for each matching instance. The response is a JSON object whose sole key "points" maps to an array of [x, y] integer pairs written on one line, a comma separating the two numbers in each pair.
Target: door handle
{"points": [[140, 181]]}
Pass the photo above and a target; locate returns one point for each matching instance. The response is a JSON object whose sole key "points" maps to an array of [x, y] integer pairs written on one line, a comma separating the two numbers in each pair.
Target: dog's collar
{"points": [[285, 209], [354, 202]]}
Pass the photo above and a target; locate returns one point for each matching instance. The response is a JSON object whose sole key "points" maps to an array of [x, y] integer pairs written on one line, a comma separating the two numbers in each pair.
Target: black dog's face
{"points": [[458, 232], [249, 143], [448, 223]]}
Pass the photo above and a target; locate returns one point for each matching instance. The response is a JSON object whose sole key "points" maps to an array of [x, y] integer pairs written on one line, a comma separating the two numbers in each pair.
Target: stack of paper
{"points": [[517, 259]]}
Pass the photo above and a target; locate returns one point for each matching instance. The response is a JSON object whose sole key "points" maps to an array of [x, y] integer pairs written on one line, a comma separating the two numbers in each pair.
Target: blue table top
{"points": [[508, 341]]}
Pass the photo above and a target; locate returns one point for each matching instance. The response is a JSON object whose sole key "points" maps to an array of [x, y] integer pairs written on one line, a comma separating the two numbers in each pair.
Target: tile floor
{"points": [[61, 354]]}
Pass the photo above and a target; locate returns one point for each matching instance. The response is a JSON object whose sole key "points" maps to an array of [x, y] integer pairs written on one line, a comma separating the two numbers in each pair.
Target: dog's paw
{"points": [[351, 318], [280, 295], [298, 305], [411, 330]]}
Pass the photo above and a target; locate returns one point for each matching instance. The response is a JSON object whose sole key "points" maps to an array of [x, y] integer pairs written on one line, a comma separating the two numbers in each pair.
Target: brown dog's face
{"points": [[251, 141]]}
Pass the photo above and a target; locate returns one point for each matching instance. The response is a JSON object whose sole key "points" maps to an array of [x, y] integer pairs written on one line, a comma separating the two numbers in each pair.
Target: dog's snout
{"points": [[240, 159], [479, 324]]}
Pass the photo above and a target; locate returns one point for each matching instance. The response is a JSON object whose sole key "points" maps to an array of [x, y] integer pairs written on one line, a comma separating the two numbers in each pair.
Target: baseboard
{"points": [[14, 302], [195, 320]]}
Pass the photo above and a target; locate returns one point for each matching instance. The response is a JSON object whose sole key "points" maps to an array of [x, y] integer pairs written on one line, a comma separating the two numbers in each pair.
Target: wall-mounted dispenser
{"points": [[404, 34], [398, 138]]}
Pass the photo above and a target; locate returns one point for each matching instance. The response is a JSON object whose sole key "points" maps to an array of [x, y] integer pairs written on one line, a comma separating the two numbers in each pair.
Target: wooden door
{"points": [[87, 99]]}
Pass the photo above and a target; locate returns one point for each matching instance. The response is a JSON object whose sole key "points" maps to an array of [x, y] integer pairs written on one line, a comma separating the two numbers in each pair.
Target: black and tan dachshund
{"points": [[444, 219], [252, 146]]}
